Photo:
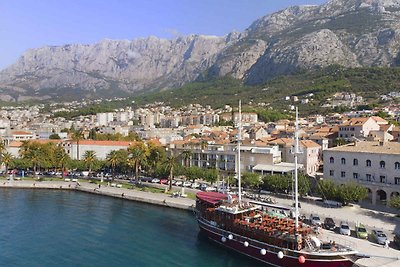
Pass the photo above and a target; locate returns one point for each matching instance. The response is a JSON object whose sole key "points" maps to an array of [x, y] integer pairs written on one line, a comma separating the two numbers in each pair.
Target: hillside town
{"points": [[354, 146]]}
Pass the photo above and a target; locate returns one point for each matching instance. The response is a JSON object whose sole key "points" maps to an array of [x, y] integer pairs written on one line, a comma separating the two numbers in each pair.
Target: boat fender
{"points": [[223, 239], [302, 259], [280, 255], [263, 251], [230, 236], [246, 244]]}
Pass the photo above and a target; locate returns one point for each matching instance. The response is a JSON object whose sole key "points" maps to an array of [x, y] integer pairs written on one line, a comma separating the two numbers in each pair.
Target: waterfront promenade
{"points": [[387, 257], [129, 194]]}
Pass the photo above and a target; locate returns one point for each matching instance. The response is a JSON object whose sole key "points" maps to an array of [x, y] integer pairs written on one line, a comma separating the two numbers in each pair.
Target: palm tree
{"points": [[137, 156], [203, 144], [6, 158], [170, 164], [77, 136], [186, 156], [62, 158], [32, 152], [156, 155], [113, 158], [2, 147], [89, 158]]}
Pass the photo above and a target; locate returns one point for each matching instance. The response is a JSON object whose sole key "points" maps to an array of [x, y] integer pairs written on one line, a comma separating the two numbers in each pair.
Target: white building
{"points": [[375, 165], [360, 127], [101, 148], [103, 119]]}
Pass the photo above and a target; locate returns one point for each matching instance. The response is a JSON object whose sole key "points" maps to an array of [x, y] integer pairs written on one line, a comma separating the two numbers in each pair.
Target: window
{"points": [[368, 163], [396, 180], [343, 174], [331, 160], [397, 165], [382, 164], [331, 173], [355, 162], [355, 175], [382, 179], [343, 161], [368, 176]]}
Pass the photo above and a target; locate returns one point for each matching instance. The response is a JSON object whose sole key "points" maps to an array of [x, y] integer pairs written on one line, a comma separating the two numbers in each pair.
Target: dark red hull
{"points": [[253, 250]]}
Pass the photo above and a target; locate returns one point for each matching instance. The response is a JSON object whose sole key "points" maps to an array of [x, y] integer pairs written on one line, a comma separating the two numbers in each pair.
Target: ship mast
{"points": [[238, 153], [296, 184]]}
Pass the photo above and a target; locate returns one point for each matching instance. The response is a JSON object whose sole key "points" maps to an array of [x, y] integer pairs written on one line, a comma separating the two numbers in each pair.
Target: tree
{"points": [[155, 155], [113, 158], [251, 179], [304, 184], [339, 142], [89, 158], [54, 136], [186, 157], [2, 147], [137, 156], [277, 183], [351, 192], [7, 159], [170, 164], [395, 202], [62, 159], [344, 193], [211, 175], [32, 152], [77, 135], [327, 189], [203, 144], [193, 173]]}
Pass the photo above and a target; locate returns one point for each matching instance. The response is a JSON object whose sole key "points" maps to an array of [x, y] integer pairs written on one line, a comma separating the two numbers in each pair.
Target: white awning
{"points": [[280, 167]]}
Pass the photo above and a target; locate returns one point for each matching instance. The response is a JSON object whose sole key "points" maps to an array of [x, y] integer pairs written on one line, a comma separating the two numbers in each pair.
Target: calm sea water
{"points": [[62, 228]]}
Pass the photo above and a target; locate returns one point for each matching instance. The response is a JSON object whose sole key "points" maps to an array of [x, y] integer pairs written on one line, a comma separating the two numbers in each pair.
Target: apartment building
{"points": [[360, 127], [222, 155], [375, 165]]}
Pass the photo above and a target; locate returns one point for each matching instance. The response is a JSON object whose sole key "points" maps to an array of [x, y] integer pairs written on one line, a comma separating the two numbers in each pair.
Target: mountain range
{"points": [[351, 33]]}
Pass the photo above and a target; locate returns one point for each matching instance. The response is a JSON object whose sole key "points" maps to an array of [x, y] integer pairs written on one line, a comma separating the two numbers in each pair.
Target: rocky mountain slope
{"points": [[352, 33]]}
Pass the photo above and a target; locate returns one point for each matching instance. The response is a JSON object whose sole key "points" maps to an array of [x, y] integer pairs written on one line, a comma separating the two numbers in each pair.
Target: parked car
{"points": [[155, 180], [329, 224], [315, 220], [195, 185], [146, 179], [203, 187], [344, 229], [396, 240], [164, 181], [178, 183], [379, 237], [187, 183], [361, 232]]}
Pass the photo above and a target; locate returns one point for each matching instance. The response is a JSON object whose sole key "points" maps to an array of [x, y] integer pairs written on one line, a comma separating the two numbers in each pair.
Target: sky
{"points": [[26, 24]]}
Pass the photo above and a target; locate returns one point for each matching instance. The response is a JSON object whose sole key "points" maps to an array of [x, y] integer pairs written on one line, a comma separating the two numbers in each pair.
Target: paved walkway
{"points": [[372, 219], [147, 197]]}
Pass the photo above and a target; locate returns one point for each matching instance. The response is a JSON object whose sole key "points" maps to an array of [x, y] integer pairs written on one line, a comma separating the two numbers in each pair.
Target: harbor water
{"points": [[69, 228]]}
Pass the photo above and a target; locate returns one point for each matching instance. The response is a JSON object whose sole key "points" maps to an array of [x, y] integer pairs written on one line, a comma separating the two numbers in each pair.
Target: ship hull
{"points": [[253, 250]]}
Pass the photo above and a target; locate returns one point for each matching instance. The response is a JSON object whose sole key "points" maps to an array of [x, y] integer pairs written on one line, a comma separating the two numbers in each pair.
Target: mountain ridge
{"points": [[352, 33]]}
